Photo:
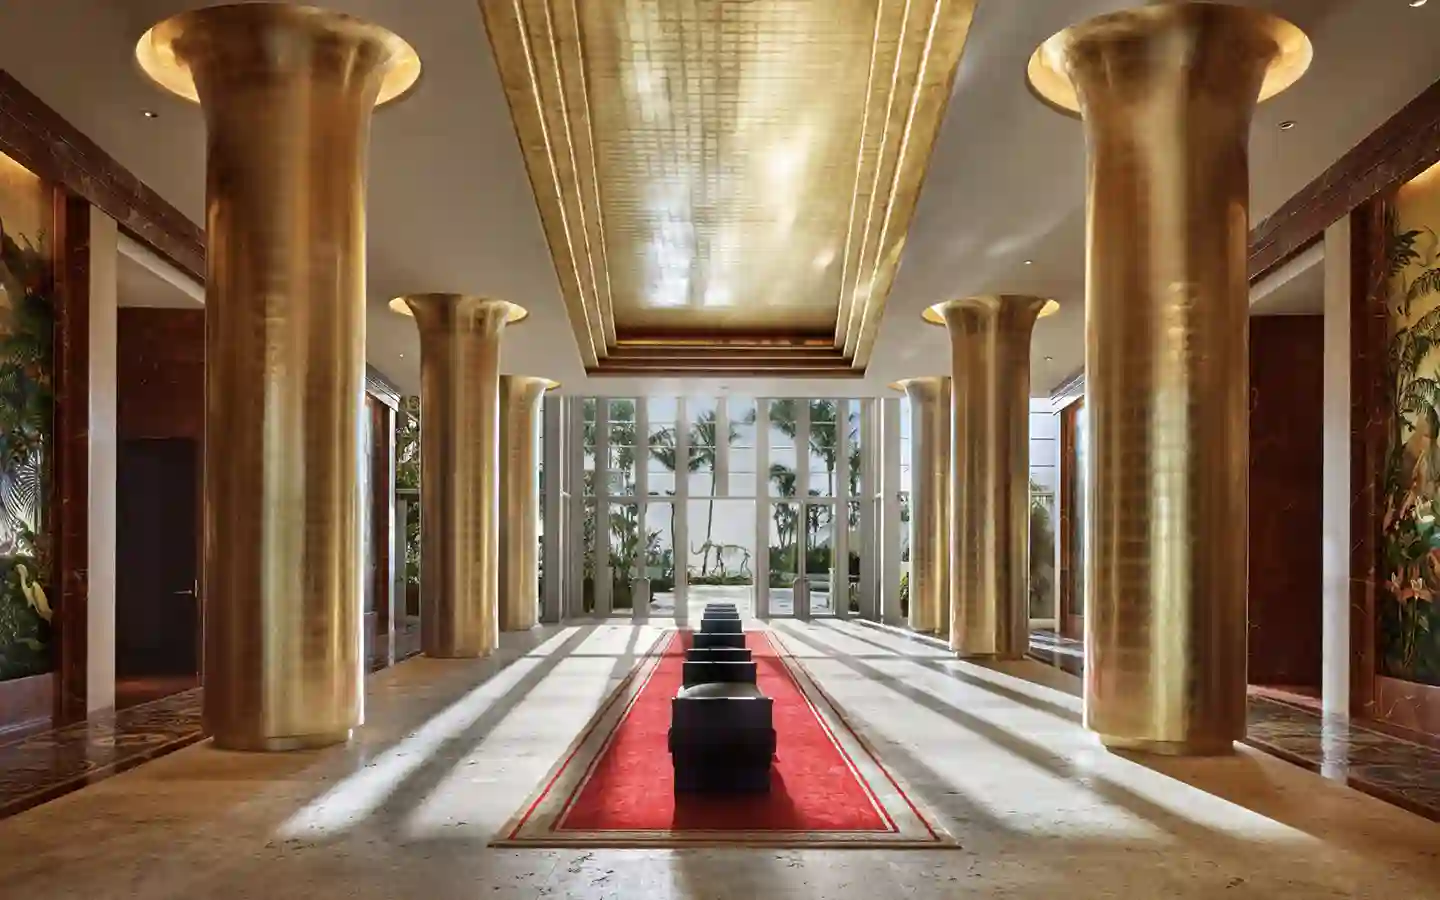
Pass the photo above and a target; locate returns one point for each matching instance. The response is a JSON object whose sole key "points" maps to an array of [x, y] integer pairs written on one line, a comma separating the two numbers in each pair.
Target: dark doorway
{"points": [[1287, 434], [157, 605]]}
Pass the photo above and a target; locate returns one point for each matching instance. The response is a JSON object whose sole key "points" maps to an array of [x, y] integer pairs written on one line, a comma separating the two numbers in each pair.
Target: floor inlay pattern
{"points": [[46, 765]]}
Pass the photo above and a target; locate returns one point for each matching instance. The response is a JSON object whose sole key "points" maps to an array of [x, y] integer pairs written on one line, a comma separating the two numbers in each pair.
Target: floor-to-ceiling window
{"points": [[757, 501]]}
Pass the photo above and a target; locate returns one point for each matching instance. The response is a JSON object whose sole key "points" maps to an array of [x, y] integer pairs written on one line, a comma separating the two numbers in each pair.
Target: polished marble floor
{"points": [[1397, 770], [452, 748]]}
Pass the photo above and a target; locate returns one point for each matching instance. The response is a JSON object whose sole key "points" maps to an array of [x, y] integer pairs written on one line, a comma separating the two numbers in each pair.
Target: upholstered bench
{"points": [[722, 738], [719, 654], [706, 671], [705, 639]]}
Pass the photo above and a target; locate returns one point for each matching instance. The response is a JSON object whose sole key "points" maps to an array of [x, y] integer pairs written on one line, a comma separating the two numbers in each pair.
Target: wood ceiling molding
{"points": [[36, 136], [727, 177], [1406, 145]]}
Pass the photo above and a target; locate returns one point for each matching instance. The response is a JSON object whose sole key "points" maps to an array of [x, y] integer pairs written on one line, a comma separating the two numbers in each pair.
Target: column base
{"points": [[456, 654], [286, 744], [976, 657], [1197, 747]]}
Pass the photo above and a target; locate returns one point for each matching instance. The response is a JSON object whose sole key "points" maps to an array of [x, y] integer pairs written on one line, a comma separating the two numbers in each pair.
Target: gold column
{"points": [[990, 462], [929, 502], [287, 94], [459, 469], [1167, 93], [520, 500]]}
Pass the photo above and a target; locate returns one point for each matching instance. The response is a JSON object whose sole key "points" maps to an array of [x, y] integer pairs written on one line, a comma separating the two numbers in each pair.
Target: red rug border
{"points": [[781, 653], [789, 658], [569, 804], [594, 723]]}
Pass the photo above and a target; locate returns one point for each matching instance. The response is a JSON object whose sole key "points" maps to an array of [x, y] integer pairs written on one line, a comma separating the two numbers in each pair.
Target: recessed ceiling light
{"points": [[1029, 262], [1416, 4], [1287, 124], [150, 114], [1049, 359]]}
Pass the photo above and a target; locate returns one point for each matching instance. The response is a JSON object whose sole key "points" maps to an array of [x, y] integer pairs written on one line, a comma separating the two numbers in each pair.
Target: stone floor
{"points": [[1399, 771], [451, 749]]}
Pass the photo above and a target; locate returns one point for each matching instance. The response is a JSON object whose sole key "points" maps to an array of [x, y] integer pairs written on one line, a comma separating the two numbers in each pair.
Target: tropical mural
{"points": [[1409, 633], [27, 324]]}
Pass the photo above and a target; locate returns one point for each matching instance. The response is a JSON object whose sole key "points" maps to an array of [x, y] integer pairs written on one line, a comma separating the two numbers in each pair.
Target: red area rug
{"points": [[813, 785], [616, 786]]}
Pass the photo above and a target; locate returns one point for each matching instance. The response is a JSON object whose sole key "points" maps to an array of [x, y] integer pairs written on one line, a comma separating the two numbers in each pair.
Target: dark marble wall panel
{"points": [[70, 472], [1286, 432], [161, 373], [1369, 436]]}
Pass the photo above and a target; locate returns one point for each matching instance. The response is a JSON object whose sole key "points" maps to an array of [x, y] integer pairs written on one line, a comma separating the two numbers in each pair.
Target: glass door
{"points": [[819, 559], [783, 547]]}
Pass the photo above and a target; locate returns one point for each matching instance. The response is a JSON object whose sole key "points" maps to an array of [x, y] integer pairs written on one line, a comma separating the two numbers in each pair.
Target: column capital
{"points": [[444, 311], [1023, 307], [195, 52], [1176, 42]]}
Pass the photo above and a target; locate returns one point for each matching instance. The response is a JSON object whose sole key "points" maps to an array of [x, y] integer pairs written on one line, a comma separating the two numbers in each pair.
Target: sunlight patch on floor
{"points": [[358, 795]]}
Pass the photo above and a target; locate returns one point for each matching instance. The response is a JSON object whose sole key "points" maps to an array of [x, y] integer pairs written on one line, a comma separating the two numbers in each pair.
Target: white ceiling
{"points": [[144, 279], [451, 210], [1296, 288]]}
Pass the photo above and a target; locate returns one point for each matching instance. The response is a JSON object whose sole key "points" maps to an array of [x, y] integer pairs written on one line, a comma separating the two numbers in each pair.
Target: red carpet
{"points": [[814, 785]]}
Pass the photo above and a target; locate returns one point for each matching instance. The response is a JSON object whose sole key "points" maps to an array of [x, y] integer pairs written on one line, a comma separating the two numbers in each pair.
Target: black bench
{"points": [[722, 738], [719, 654], [721, 626], [704, 639], [709, 671]]}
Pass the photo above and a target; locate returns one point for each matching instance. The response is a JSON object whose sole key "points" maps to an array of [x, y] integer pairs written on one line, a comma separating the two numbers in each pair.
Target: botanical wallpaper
{"points": [[26, 412], [1409, 633]]}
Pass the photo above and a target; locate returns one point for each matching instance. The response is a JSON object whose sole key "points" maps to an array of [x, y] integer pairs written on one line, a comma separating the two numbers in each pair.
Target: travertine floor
{"points": [[453, 748]]}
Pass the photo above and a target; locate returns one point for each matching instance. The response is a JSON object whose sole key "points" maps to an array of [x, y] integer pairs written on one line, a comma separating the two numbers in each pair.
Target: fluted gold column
{"points": [[520, 500], [459, 470], [1167, 93], [990, 462], [287, 94], [929, 502]]}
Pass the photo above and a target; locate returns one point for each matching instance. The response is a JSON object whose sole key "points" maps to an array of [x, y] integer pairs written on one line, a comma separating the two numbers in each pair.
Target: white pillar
{"points": [[681, 512], [801, 603], [552, 454], [1335, 496], [890, 524], [868, 570], [104, 445], [575, 481], [602, 507], [840, 539], [640, 580], [762, 508]]}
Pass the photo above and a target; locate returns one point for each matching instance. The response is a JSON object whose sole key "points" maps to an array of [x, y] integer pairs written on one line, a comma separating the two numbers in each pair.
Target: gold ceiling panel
{"points": [[714, 170]]}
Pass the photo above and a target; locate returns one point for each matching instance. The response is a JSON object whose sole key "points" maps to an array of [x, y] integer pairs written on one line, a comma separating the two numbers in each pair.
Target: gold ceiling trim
{"points": [[714, 168]]}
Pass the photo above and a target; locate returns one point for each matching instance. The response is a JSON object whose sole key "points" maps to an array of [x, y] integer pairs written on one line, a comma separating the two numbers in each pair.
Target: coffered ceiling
{"points": [[704, 173], [726, 185]]}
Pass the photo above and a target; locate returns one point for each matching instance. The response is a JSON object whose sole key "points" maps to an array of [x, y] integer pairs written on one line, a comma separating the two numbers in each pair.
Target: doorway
{"points": [[157, 602]]}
